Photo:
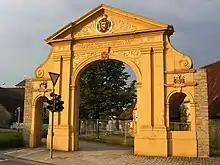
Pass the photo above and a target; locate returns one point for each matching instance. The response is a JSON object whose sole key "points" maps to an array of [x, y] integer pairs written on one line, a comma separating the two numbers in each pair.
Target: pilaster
{"points": [[152, 132], [144, 90], [74, 113], [158, 87]]}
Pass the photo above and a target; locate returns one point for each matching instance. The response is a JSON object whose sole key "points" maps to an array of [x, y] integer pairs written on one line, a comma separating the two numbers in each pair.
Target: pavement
{"points": [[91, 153], [5, 160]]}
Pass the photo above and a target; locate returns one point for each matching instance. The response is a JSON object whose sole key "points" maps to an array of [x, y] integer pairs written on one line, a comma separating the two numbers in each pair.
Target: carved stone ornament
{"points": [[104, 55], [43, 86], [185, 62], [39, 73], [104, 24], [133, 55], [78, 58], [112, 43], [179, 79], [121, 25]]}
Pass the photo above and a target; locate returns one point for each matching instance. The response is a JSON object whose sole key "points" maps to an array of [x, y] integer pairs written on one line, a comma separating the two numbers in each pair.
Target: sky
{"points": [[26, 23]]}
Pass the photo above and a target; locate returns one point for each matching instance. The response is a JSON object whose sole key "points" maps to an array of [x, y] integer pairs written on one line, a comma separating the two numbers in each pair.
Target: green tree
{"points": [[184, 117], [104, 91]]}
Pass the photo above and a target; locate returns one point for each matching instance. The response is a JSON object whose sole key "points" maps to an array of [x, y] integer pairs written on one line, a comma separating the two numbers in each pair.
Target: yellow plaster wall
{"points": [[179, 64], [182, 143]]}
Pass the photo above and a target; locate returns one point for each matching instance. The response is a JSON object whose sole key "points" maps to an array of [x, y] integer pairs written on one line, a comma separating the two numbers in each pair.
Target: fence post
{"points": [[86, 127], [125, 134], [97, 136]]}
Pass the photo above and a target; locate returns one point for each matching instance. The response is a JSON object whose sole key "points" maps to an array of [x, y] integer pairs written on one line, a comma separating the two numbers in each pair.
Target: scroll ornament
{"points": [[185, 62], [39, 73]]}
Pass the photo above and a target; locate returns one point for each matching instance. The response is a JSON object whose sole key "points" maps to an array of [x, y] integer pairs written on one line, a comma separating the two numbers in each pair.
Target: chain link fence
{"points": [[110, 131]]}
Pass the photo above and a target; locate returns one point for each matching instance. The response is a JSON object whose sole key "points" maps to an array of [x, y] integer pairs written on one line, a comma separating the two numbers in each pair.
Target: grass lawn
{"points": [[10, 140], [110, 139]]}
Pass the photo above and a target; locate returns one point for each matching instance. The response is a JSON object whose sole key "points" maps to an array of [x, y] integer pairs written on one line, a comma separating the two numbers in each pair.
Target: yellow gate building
{"points": [[163, 74]]}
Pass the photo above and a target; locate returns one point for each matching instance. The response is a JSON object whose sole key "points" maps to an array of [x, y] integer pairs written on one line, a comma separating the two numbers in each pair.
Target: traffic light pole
{"points": [[54, 77], [52, 123]]}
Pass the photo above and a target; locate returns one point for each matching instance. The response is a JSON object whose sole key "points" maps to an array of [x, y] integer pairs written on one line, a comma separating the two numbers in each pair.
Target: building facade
{"points": [[161, 71]]}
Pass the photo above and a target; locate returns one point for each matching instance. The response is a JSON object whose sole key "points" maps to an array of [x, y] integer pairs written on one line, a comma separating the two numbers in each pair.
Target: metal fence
{"points": [[180, 126], [119, 131]]}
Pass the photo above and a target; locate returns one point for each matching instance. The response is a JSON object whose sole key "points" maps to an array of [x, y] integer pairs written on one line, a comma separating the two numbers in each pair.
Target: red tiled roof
{"points": [[213, 81]]}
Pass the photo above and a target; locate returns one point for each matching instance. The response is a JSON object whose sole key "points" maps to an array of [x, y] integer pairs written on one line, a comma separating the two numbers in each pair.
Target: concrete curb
{"points": [[30, 160]]}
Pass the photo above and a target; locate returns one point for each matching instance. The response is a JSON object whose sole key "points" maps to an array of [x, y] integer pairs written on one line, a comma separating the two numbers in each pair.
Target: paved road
{"points": [[100, 154], [4, 160]]}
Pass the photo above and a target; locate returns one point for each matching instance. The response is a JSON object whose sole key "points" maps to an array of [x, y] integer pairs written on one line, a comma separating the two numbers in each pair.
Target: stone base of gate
{"points": [[182, 143], [61, 138], [151, 143]]}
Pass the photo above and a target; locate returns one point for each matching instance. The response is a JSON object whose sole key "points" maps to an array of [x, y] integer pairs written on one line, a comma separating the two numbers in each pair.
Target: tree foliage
{"points": [[104, 91]]}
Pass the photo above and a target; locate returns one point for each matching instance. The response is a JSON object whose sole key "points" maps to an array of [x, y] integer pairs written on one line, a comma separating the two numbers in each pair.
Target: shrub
{"points": [[10, 140]]}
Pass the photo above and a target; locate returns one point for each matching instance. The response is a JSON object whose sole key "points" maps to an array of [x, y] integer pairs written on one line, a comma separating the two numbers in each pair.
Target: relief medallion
{"points": [[104, 24]]}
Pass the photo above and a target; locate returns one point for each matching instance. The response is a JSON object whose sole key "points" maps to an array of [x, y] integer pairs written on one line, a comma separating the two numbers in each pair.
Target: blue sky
{"points": [[26, 23]]}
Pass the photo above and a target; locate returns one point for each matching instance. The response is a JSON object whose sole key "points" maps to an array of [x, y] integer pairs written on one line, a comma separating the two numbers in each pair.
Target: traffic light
{"points": [[58, 103], [49, 107], [50, 104]]}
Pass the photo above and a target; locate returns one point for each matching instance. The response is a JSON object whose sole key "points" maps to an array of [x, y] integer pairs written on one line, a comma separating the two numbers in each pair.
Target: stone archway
{"points": [[37, 124], [143, 44], [74, 97]]}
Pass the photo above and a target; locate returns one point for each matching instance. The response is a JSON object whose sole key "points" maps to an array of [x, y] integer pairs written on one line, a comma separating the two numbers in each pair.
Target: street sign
{"points": [[54, 77]]}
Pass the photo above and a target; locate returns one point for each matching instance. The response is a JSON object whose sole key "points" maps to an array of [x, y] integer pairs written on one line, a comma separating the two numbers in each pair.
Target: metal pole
{"points": [[97, 129], [18, 118], [52, 122], [125, 137], [86, 127]]}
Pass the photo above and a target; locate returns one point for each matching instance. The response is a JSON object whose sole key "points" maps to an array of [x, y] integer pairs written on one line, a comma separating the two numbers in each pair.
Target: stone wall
{"points": [[214, 132], [27, 111], [202, 118]]}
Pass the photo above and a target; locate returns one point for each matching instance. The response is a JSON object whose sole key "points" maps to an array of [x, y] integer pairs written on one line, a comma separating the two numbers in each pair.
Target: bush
{"points": [[215, 152], [44, 134], [10, 140]]}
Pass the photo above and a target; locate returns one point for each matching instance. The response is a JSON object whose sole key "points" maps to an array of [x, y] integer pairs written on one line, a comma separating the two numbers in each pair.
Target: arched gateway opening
{"points": [[104, 91], [107, 33], [41, 122]]}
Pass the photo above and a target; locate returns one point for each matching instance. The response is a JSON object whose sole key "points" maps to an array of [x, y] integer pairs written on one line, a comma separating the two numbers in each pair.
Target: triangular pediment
{"points": [[106, 20]]}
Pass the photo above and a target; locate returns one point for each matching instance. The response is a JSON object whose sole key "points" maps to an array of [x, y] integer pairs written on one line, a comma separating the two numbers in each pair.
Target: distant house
{"points": [[128, 113], [213, 81], [21, 84], [10, 99]]}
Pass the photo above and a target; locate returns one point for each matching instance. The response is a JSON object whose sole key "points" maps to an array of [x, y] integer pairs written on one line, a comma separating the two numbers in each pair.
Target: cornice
{"points": [[108, 35], [122, 33], [181, 85]]}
